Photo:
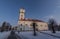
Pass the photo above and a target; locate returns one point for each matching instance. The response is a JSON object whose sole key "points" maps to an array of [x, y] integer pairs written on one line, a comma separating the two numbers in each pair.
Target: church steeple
{"points": [[22, 13]]}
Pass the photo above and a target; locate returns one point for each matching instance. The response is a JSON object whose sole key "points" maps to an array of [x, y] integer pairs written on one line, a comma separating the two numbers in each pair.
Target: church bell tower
{"points": [[22, 13]]}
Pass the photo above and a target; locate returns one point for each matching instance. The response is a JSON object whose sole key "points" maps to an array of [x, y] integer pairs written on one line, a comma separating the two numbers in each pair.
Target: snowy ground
{"points": [[29, 35], [4, 35], [49, 32]]}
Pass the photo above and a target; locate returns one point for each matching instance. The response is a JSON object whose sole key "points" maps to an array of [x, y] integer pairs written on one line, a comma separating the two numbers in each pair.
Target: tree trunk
{"points": [[34, 30]]}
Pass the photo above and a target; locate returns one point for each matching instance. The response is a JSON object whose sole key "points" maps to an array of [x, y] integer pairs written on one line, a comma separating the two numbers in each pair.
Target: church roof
{"points": [[35, 20]]}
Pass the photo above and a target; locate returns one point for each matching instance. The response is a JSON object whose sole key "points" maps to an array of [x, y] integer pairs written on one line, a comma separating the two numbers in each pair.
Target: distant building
{"points": [[26, 23]]}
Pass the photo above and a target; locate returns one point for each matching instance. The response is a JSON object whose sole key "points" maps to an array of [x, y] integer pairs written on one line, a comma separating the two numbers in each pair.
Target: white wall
{"points": [[41, 25]]}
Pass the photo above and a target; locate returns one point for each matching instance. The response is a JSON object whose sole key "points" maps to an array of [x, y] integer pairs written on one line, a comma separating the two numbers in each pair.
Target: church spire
{"points": [[22, 13]]}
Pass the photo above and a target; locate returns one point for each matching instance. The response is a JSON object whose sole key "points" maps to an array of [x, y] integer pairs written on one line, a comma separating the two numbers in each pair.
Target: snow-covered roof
{"points": [[35, 20]]}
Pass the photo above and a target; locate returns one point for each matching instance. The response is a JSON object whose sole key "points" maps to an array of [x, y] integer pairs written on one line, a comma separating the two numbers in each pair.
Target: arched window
{"points": [[45, 25], [21, 15], [41, 25], [21, 24], [21, 29], [26, 24]]}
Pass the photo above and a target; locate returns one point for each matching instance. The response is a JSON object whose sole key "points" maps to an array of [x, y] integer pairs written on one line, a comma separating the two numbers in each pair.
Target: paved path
{"points": [[13, 36]]}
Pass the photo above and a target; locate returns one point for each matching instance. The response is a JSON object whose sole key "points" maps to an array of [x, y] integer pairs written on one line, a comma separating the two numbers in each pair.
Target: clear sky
{"points": [[37, 9]]}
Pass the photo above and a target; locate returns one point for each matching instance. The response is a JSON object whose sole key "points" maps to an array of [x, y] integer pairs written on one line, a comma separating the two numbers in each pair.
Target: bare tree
{"points": [[34, 28], [2, 28], [5, 26], [51, 25], [59, 27], [8, 27]]}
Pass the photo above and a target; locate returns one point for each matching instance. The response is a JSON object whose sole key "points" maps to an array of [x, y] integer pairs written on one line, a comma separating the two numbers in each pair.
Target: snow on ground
{"points": [[29, 35], [49, 32], [4, 35]]}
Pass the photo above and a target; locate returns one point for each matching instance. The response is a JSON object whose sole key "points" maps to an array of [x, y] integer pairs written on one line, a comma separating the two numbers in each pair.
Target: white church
{"points": [[25, 23]]}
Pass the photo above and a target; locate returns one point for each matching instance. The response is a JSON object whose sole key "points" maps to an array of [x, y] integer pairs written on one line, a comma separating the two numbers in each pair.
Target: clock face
{"points": [[22, 10]]}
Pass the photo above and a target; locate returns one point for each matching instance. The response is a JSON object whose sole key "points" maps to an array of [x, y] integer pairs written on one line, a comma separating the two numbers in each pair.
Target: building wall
{"points": [[40, 25]]}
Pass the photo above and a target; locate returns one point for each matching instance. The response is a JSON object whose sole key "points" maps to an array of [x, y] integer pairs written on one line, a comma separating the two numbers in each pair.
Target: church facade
{"points": [[26, 23]]}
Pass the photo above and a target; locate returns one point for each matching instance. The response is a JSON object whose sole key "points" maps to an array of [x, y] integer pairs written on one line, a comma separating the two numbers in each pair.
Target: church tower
{"points": [[22, 13]]}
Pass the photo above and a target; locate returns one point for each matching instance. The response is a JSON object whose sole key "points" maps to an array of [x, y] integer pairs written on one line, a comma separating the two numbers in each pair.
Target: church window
{"points": [[21, 15], [45, 26], [30, 24], [41, 25], [21, 29], [21, 24], [26, 24]]}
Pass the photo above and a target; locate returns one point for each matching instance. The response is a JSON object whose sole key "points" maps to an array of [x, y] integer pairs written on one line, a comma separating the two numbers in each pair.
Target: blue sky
{"points": [[37, 9]]}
